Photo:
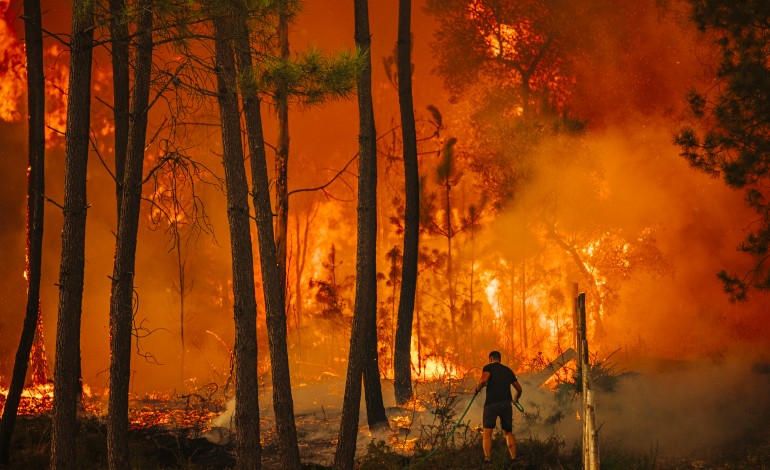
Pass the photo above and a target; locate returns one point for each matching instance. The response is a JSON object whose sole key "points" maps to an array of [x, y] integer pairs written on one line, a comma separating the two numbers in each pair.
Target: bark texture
{"points": [[282, 152], [248, 449], [120, 88], [364, 316], [35, 204], [67, 365], [402, 364], [272, 275], [121, 298]]}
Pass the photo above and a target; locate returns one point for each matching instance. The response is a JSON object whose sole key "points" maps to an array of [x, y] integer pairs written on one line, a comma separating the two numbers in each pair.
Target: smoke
{"points": [[623, 174]]}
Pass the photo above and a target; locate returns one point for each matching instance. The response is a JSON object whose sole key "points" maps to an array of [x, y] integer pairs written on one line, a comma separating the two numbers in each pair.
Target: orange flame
{"points": [[12, 66]]}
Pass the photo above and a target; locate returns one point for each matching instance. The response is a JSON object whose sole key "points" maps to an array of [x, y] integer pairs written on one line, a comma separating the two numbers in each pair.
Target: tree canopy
{"points": [[729, 136]]}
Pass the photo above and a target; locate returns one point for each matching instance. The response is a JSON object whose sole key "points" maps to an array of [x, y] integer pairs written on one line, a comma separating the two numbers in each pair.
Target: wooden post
{"points": [[590, 435]]}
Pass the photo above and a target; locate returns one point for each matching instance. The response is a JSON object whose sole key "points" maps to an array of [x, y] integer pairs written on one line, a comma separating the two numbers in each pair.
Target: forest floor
{"points": [[192, 431], [160, 448]]}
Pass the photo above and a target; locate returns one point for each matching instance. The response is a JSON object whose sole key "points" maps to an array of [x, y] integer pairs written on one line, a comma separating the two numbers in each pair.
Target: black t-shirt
{"points": [[499, 383]]}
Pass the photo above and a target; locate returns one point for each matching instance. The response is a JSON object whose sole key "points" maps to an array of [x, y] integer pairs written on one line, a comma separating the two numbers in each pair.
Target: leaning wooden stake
{"points": [[590, 434]]}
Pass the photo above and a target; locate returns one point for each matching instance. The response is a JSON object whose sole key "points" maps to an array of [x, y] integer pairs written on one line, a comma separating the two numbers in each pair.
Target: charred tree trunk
{"points": [[282, 152], [273, 279], [121, 301], [365, 308], [402, 366], [375, 406], [67, 365], [121, 87], [449, 271], [35, 204], [248, 449]]}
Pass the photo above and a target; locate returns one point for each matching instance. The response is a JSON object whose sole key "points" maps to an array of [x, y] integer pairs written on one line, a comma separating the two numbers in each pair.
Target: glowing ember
{"points": [[35, 400]]}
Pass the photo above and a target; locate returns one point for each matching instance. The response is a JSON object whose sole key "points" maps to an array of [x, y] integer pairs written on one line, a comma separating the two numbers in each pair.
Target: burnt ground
{"points": [[156, 447], [181, 434]]}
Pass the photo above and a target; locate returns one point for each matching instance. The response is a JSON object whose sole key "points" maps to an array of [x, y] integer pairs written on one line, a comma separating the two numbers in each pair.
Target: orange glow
{"points": [[12, 66], [56, 65]]}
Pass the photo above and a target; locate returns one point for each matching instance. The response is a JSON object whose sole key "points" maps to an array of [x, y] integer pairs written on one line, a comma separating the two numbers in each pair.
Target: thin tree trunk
{"points": [[513, 310], [403, 361], [282, 151], [470, 293], [67, 365], [273, 279], [181, 276], [35, 208], [524, 334], [449, 273], [365, 308], [300, 268], [375, 406], [121, 301], [248, 449], [120, 86]]}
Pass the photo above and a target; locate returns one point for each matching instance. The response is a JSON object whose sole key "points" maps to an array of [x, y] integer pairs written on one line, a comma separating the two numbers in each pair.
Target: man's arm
{"points": [[517, 386], [482, 381]]}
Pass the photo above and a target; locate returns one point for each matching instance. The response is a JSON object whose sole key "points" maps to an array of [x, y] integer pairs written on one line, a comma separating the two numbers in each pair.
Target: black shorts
{"points": [[502, 410]]}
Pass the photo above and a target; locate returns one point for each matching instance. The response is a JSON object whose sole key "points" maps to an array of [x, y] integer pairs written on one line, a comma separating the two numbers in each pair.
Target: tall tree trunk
{"points": [[282, 151], [470, 290], [449, 273], [181, 279], [513, 310], [120, 86], [365, 308], [375, 406], [67, 365], [35, 204], [299, 269], [121, 300], [272, 277], [402, 366], [248, 449], [524, 328]]}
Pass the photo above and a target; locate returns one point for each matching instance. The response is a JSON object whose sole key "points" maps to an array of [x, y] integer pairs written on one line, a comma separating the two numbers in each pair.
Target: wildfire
{"points": [[12, 66], [35, 399], [56, 84]]}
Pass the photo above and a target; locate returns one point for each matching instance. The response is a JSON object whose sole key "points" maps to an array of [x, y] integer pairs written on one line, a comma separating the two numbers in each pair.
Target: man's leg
{"points": [[486, 443], [511, 443]]}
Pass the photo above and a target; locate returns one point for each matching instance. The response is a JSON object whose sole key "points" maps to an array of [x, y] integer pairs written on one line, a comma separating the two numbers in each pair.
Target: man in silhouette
{"points": [[498, 379]]}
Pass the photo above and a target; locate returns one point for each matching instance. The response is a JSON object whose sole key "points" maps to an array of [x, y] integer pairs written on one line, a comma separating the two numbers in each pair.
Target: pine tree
{"points": [[730, 136]]}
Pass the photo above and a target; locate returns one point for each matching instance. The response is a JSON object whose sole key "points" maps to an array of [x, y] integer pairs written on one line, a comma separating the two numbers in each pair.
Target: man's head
{"points": [[495, 356]]}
